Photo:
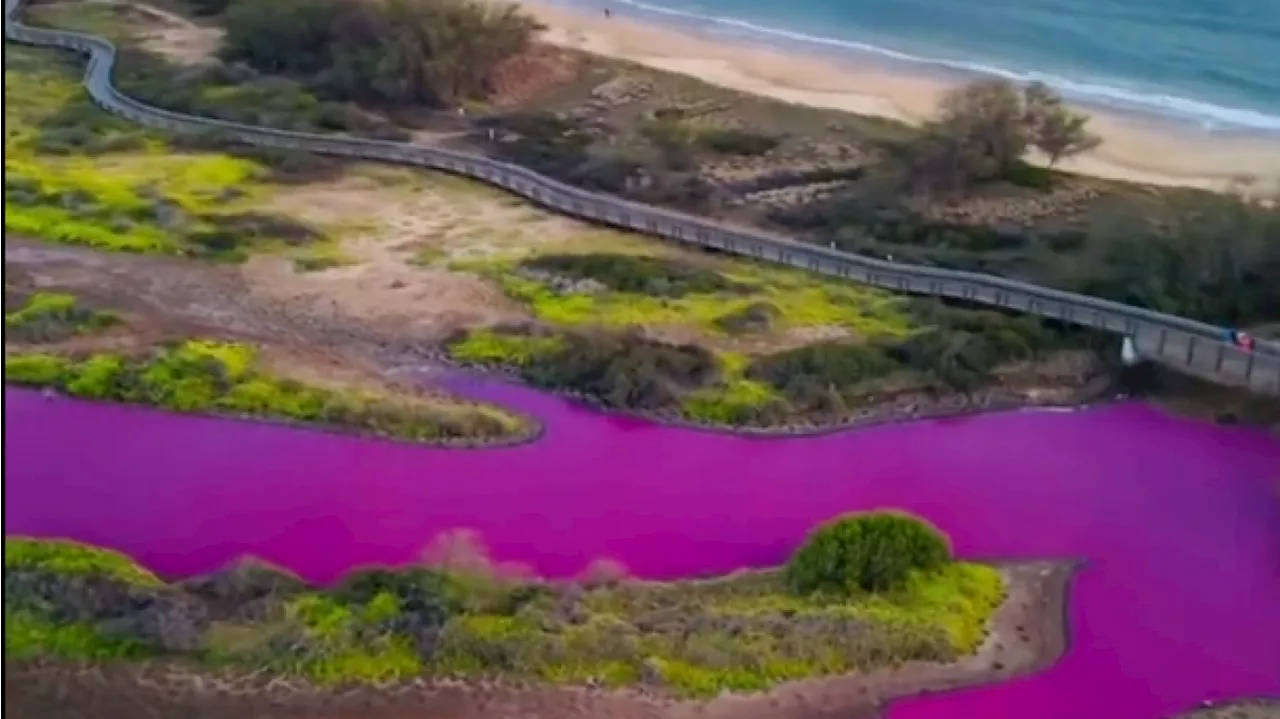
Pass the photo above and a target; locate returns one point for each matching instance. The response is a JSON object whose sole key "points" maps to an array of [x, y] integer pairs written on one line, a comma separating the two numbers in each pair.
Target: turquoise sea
{"points": [[1215, 63]]}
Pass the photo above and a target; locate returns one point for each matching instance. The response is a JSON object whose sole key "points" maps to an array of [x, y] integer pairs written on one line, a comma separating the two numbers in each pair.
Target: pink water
{"points": [[1180, 521]]}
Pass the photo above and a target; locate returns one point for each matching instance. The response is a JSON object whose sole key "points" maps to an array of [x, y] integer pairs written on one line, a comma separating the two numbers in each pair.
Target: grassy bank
{"points": [[226, 378], [51, 317], [731, 342], [459, 618]]}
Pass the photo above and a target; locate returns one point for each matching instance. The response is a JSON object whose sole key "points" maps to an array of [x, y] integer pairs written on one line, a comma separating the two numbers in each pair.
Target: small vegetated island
{"points": [[867, 596]]}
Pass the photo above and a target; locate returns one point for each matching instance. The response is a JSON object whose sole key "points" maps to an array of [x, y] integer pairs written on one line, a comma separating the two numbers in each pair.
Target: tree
{"points": [[1054, 129], [987, 121], [869, 552], [1039, 95], [1062, 134], [438, 52], [983, 129], [1211, 257]]}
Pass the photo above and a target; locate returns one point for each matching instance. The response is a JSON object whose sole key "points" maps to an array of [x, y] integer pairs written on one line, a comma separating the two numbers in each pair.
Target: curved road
{"points": [[1185, 344]]}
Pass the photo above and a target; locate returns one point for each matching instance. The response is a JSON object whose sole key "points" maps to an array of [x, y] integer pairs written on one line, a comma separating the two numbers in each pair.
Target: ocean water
{"points": [[1215, 63], [1179, 521]]}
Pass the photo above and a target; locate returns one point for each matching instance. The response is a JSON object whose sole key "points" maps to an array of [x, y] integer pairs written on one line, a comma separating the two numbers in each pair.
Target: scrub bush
{"points": [[51, 317], [873, 552]]}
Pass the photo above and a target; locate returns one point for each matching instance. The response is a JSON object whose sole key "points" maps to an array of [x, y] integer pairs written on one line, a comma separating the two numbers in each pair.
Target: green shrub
{"points": [[40, 370], [872, 552], [755, 317], [635, 274], [51, 317], [28, 635], [72, 558], [821, 377], [730, 141], [425, 592], [624, 370], [507, 348], [328, 41]]}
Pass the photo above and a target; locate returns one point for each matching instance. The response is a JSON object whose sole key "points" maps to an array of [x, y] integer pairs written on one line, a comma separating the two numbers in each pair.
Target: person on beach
{"points": [[608, 13]]}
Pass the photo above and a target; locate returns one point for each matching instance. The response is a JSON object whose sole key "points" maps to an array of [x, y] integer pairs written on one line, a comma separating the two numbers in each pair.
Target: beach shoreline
{"points": [[1137, 149]]}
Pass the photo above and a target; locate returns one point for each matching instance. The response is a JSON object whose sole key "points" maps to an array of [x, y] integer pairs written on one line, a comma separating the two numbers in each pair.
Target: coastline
{"points": [[1135, 149]]}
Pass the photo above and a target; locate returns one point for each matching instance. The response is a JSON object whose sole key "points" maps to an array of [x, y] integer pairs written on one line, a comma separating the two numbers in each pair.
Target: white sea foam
{"points": [[1210, 116]]}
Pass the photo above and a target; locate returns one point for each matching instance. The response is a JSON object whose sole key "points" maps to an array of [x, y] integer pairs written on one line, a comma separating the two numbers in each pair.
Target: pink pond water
{"points": [[1180, 521]]}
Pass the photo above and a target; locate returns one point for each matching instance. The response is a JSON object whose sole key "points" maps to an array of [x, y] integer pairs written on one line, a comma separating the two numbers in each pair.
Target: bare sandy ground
{"points": [[1140, 151]]}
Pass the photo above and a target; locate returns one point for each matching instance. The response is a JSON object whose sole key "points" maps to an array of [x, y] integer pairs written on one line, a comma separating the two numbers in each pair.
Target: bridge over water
{"points": [[1193, 347]]}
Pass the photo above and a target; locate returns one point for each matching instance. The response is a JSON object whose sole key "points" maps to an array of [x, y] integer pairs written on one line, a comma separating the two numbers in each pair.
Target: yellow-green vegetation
{"points": [[491, 347], [52, 316], [734, 399], [586, 292], [28, 635], [67, 558], [220, 377], [742, 632], [30, 630], [657, 287], [767, 346], [73, 174]]}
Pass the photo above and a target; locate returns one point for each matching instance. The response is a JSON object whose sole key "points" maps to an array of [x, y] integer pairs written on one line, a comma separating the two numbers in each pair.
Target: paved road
{"points": [[1188, 345]]}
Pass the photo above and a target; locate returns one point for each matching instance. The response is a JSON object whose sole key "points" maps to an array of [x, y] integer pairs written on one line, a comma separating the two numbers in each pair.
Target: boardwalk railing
{"points": [[1191, 346]]}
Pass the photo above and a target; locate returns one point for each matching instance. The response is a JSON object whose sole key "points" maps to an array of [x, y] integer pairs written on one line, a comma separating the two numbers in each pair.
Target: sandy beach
{"points": [[1134, 149]]}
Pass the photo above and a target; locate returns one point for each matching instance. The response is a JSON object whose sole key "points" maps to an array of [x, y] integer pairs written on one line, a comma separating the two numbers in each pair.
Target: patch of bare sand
{"points": [[398, 239], [167, 34], [1028, 634], [195, 295], [183, 44]]}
